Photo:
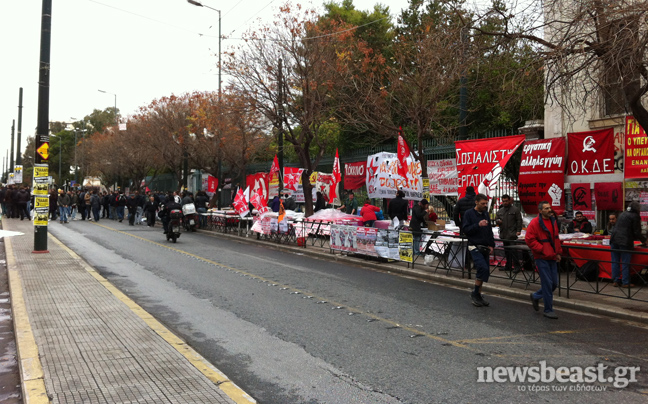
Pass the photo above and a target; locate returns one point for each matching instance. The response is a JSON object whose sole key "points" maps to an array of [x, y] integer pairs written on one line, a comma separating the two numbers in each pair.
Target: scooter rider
{"points": [[165, 213]]}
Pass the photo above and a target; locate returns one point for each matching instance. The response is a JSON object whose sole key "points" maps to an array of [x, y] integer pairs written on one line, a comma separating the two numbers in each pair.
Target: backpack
{"points": [[589, 271]]}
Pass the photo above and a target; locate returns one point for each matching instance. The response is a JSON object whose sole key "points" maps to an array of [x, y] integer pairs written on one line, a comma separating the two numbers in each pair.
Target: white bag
{"points": [[188, 209]]}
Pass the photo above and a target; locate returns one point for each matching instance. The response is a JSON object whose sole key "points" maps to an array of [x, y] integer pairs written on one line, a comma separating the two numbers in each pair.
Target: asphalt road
{"points": [[291, 329]]}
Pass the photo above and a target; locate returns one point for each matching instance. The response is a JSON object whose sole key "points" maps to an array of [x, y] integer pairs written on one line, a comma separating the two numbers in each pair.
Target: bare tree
{"points": [[595, 51], [300, 106]]}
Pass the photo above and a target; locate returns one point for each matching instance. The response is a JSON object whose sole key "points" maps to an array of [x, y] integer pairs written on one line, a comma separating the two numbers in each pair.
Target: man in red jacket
{"points": [[542, 238]]}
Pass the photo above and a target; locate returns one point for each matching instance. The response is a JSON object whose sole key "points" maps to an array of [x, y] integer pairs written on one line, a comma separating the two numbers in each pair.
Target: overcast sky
{"points": [[138, 49]]}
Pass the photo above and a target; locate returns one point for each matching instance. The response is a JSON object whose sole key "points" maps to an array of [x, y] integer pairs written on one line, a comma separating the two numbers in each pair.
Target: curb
{"points": [[234, 392], [559, 301], [31, 370]]}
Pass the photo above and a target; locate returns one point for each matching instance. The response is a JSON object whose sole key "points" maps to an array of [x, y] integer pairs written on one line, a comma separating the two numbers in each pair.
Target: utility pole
{"points": [[42, 134], [11, 162], [280, 112], [20, 106]]}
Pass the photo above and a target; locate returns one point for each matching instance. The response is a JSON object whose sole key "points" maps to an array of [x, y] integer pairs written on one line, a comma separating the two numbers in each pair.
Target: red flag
{"points": [[292, 177], [258, 201], [337, 175], [240, 204], [275, 167], [403, 154]]}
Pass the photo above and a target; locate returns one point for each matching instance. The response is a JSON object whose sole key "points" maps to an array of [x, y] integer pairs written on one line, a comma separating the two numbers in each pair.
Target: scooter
{"points": [[190, 219], [175, 217]]}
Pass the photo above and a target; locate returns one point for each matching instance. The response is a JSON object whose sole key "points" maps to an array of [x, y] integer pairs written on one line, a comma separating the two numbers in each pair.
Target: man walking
{"points": [[626, 231], [542, 237], [477, 227], [509, 220]]}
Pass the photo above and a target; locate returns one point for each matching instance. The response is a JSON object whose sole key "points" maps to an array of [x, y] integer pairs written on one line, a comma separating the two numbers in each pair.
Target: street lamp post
{"points": [[106, 92], [199, 4]]}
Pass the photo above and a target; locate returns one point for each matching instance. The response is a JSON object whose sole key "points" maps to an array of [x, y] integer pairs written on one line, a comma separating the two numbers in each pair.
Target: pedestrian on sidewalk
{"points": [[105, 203], [121, 205], [149, 210], [542, 237], [88, 203], [53, 201], [74, 202], [81, 205], [132, 204], [22, 199], [139, 211], [477, 227], [95, 205], [64, 206], [626, 231]]}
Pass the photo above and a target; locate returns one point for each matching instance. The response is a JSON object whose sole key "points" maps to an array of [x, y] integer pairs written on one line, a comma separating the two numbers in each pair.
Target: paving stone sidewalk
{"points": [[93, 347]]}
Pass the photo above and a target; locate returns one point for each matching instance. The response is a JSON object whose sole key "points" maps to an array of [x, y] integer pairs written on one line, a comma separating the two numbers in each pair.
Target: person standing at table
{"points": [[542, 237], [509, 220], [612, 219], [398, 207], [626, 231], [580, 224], [463, 205], [368, 213], [350, 205], [477, 227], [419, 213]]}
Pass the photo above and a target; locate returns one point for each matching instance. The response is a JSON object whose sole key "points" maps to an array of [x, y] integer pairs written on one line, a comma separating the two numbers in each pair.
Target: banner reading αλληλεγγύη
{"points": [[542, 175]]}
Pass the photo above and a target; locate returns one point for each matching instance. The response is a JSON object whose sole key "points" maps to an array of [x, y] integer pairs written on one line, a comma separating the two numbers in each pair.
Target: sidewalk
{"points": [[80, 340]]}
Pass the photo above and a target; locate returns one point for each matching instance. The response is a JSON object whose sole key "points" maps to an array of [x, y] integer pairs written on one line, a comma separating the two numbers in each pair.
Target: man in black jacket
{"points": [[463, 205], [580, 224], [477, 226], [626, 231], [398, 207], [419, 213]]}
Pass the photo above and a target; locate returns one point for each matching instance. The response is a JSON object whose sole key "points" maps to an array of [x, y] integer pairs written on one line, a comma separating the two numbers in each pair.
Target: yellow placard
{"points": [[405, 251], [40, 219], [41, 202], [41, 172]]}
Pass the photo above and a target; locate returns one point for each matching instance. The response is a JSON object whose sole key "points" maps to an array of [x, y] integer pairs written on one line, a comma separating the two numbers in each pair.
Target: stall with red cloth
{"points": [[602, 254]]}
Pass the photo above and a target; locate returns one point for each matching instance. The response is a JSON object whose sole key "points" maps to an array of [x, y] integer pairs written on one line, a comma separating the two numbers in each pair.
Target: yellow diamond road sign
{"points": [[44, 151]]}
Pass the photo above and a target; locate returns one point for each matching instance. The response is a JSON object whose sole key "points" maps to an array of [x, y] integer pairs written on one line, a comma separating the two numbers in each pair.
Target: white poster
{"points": [[383, 179], [443, 177]]}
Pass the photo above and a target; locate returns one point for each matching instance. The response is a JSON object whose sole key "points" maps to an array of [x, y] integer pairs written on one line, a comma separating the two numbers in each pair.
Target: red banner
{"points": [[636, 150], [608, 195], [476, 159], [581, 197], [337, 175], [354, 175], [542, 175], [591, 152], [212, 184], [259, 182]]}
